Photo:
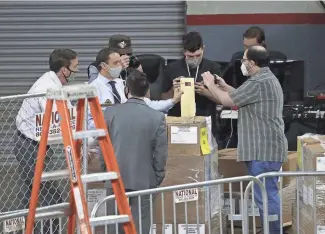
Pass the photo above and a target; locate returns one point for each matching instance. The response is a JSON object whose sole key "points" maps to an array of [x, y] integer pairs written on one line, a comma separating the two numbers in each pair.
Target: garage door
{"points": [[30, 30]]}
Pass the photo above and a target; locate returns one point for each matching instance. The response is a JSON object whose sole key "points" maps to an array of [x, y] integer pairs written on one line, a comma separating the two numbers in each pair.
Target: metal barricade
{"points": [[146, 204], [294, 195], [17, 159]]}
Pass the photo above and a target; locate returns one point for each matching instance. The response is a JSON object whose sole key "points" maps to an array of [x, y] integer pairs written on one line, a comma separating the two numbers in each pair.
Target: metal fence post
{"points": [[265, 206]]}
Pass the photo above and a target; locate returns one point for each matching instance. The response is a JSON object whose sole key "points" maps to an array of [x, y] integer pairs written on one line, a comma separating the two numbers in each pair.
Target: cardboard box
{"points": [[197, 201], [189, 136], [290, 165], [227, 160], [312, 190], [304, 140]]}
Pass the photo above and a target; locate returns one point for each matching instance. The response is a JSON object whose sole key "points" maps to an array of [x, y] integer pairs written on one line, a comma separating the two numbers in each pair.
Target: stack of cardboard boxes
{"points": [[227, 159], [191, 158], [310, 208]]}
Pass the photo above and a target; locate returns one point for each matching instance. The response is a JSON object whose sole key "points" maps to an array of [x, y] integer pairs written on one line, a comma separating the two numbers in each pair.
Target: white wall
{"points": [[252, 7]]}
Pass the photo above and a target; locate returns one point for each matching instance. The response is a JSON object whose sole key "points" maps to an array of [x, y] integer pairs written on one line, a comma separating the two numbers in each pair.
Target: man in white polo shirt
{"points": [[63, 67]]}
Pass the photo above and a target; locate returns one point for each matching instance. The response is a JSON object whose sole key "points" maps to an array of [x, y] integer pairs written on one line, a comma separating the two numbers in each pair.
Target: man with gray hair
{"points": [[262, 144]]}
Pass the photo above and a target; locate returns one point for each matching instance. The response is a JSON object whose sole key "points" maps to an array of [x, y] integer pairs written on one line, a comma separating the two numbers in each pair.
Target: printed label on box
{"points": [[320, 165], [13, 225], [183, 135], [305, 194], [227, 207], [168, 229], [320, 229], [311, 196], [191, 228], [93, 196], [186, 195]]}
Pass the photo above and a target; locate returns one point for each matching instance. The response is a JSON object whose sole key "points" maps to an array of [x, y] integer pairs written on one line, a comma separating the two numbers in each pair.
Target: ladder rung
{"points": [[52, 215], [72, 92], [111, 219], [96, 177], [55, 175], [64, 174], [89, 133]]}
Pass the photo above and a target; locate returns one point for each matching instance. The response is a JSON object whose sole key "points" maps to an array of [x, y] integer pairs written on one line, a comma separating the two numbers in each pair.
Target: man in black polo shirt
{"points": [[192, 65]]}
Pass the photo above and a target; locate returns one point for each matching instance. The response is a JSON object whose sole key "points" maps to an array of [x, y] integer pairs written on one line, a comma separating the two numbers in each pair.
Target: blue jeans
{"points": [[256, 168]]}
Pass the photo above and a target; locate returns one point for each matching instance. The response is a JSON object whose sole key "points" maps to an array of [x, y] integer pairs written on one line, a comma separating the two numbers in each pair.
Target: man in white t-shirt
{"points": [[63, 67]]}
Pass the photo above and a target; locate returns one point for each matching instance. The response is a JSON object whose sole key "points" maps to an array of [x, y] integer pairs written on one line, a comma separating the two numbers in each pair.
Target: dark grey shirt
{"points": [[260, 123]]}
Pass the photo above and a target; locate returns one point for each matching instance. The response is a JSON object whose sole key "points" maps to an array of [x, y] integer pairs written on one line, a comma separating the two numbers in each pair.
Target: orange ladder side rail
{"points": [[39, 167], [74, 166]]}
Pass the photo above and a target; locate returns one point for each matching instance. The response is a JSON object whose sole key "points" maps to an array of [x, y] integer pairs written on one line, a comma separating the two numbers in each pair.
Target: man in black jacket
{"points": [[192, 65], [252, 36]]}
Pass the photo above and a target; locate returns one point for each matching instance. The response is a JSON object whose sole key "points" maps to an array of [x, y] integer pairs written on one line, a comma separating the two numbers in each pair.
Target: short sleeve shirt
{"points": [[260, 123]]}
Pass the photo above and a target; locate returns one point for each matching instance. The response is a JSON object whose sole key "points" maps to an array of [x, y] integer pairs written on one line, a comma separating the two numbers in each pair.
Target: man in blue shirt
{"points": [[111, 88]]}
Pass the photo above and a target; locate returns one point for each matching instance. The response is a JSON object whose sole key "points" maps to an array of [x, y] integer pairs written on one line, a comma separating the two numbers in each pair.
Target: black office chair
{"points": [[153, 66]]}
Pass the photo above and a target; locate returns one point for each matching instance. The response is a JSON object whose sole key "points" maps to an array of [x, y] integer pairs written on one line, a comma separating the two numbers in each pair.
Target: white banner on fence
{"points": [[55, 127], [186, 195], [13, 225], [168, 229], [191, 228]]}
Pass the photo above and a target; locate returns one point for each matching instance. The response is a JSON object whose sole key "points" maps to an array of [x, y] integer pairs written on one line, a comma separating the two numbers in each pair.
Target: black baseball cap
{"points": [[121, 43]]}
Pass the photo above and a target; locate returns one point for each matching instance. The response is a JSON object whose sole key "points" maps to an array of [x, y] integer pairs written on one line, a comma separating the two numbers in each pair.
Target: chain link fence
{"points": [[18, 155]]}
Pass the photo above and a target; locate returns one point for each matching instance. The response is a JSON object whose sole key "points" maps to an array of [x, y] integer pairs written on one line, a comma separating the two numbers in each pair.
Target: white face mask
{"points": [[115, 72], [244, 70]]}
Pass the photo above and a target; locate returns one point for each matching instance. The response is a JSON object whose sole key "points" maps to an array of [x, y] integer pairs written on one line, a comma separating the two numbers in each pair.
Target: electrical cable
{"points": [[231, 127]]}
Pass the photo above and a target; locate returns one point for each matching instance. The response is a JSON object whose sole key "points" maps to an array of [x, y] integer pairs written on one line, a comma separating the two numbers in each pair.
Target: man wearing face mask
{"points": [[111, 88], [192, 65], [262, 144], [63, 67]]}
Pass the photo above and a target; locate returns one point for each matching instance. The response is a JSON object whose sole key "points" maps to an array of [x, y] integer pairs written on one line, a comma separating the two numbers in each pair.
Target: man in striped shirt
{"points": [[262, 144]]}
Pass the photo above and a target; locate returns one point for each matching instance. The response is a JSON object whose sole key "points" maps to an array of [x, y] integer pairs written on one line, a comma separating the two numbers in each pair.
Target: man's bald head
{"points": [[259, 55]]}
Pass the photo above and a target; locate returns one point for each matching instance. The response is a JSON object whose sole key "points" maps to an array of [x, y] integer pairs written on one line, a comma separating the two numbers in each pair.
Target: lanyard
{"points": [[189, 73]]}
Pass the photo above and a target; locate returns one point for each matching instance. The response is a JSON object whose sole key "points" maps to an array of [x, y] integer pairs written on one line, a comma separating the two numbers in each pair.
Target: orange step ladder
{"points": [[72, 145]]}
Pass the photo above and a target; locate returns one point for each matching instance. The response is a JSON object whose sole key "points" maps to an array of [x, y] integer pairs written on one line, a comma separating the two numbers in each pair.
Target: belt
{"points": [[22, 136]]}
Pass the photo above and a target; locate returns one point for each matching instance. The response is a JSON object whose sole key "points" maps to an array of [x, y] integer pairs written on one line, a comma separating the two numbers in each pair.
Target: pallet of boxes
{"points": [[192, 157], [227, 158], [309, 212]]}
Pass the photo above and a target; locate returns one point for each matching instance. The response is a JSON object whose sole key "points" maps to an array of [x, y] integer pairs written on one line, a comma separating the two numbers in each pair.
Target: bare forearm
{"points": [[221, 95], [229, 88], [213, 98]]}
